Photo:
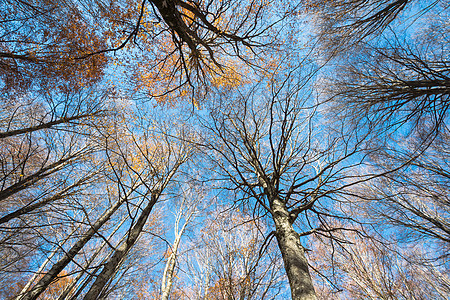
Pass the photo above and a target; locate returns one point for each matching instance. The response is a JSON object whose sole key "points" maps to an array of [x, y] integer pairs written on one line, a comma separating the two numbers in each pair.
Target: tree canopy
{"points": [[257, 149]]}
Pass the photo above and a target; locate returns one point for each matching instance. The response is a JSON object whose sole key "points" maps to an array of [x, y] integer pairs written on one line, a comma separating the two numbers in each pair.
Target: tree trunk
{"points": [[33, 206], [43, 125], [294, 258], [44, 264], [111, 266], [36, 274], [48, 278], [167, 280], [69, 289], [28, 181], [169, 270]]}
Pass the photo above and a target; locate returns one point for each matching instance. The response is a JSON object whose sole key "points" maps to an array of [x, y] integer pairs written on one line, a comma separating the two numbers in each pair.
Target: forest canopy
{"points": [[257, 149]]}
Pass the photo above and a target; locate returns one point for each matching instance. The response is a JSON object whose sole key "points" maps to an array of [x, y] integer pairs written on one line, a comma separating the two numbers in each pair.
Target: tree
{"points": [[187, 210], [40, 44], [192, 46], [46, 163], [32, 136], [142, 167], [398, 79], [182, 42], [263, 143], [344, 25], [414, 199], [53, 61], [86, 162], [370, 268], [227, 262], [396, 88]]}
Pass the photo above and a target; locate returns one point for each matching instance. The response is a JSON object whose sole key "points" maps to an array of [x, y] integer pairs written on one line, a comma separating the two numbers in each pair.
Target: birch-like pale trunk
{"points": [[294, 257], [189, 210], [169, 270], [167, 280]]}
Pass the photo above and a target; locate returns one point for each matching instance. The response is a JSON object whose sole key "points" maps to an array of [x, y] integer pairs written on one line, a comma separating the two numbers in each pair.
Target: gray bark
{"points": [[294, 258], [48, 278], [119, 255], [70, 288]]}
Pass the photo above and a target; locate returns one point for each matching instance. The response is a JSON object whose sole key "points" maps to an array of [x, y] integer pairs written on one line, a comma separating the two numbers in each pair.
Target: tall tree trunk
{"points": [[44, 172], [167, 280], [111, 266], [186, 210], [36, 274], [44, 264], [169, 270], [70, 288], [294, 258], [48, 278]]}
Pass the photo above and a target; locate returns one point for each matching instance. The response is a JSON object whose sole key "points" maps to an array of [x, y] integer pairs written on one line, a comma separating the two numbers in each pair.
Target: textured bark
{"points": [[43, 125], [48, 278], [294, 258], [39, 175], [172, 17], [119, 255], [70, 288]]}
